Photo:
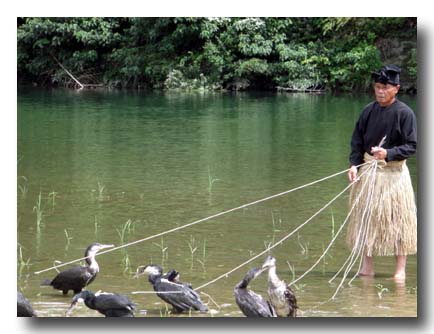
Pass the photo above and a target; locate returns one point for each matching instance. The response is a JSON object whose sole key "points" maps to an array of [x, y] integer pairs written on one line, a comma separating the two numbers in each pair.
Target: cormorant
{"points": [[24, 309], [174, 292], [250, 303], [78, 277], [109, 304], [281, 295]]}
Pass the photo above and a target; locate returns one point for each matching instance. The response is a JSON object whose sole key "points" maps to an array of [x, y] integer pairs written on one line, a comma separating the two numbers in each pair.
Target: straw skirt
{"points": [[383, 221]]}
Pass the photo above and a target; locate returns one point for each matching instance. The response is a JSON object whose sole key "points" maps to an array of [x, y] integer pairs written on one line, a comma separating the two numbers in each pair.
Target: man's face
{"points": [[385, 94]]}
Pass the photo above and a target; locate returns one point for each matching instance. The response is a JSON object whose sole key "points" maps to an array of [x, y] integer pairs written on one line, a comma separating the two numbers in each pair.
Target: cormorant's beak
{"points": [[105, 246], [139, 271], [261, 270], [137, 275], [73, 305], [77, 299]]}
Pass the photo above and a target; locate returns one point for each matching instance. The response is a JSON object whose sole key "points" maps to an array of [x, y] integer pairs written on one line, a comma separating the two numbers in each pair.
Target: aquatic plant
{"points": [[96, 225], [381, 290], [163, 249], [333, 225], [275, 223], [210, 300], [39, 211], [166, 313], [193, 249], [267, 245], [21, 262], [98, 194], [291, 269], [125, 228], [211, 181], [68, 238], [53, 195], [412, 290], [298, 287], [101, 188], [203, 261], [23, 188], [126, 263], [303, 245], [324, 259]]}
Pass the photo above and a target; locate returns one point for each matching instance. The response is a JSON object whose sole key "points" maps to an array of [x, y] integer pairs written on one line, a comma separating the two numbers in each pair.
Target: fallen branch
{"points": [[69, 73]]}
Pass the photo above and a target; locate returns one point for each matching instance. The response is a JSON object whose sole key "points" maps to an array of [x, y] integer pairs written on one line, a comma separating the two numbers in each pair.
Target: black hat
{"points": [[387, 74]]}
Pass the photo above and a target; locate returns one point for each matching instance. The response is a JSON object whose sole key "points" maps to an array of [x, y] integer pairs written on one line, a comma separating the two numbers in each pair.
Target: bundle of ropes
{"points": [[356, 251]]}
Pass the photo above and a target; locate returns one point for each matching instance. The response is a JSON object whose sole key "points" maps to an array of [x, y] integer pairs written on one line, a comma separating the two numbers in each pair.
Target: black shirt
{"points": [[397, 122]]}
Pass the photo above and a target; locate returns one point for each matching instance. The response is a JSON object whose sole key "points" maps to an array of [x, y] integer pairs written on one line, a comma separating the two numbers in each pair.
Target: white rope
{"points": [[368, 220], [159, 292], [278, 242], [357, 241], [331, 242], [202, 220], [358, 234], [359, 247]]}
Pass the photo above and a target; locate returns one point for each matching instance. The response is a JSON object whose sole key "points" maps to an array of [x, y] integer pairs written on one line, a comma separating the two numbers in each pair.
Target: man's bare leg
{"points": [[401, 261], [367, 266]]}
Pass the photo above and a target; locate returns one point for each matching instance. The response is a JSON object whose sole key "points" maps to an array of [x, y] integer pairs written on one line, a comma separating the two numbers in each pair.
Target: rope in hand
{"points": [[203, 219]]}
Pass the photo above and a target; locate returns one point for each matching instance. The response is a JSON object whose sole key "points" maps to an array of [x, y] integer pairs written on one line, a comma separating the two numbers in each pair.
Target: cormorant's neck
{"points": [[90, 301], [272, 276], [243, 284], [92, 264], [152, 278]]}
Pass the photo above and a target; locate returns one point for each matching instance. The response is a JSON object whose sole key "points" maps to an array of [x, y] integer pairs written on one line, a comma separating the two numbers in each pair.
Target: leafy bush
{"points": [[180, 53]]}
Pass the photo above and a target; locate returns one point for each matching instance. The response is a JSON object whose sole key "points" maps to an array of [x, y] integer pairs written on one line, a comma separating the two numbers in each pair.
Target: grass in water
{"points": [[324, 259], [52, 196], [68, 238], [381, 290], [126, 263], [276, 224], [125, 228], [23, 188], [203, 261], [333, 225], [298, 287], [21, 261], [193, 249], [163, 249], [101, 188], [211, 181], [303, 245], [39, 211]]}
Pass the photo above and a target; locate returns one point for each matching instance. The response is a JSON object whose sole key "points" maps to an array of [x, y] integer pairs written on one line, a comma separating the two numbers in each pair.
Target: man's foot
{"points": [[366, 273], [399, 276]]}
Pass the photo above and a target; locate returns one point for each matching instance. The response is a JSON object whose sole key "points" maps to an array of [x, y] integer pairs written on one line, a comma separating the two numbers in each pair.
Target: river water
{"points": [[115, 167]]}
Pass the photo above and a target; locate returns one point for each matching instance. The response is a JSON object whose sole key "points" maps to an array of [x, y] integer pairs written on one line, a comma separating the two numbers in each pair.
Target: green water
{"points": [[115, 167]]}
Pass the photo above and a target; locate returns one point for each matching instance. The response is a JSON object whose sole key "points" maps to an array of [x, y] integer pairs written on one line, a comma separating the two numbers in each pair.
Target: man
{"points": [[383, 219]]}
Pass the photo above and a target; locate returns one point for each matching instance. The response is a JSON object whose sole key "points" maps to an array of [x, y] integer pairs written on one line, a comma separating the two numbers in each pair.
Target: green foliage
{"points": [[351, 68], [412, 64], [337, 53]]}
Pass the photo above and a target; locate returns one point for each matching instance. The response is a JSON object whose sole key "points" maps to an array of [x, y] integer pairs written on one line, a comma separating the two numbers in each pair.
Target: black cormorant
{"points": [[109, 304], [250, 303], [24, 309], [78, 277], [174, 292], [281, 295]]}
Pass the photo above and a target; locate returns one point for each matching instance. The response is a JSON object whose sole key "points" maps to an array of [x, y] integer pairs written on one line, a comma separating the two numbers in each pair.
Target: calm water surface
{"points": [[115, 167]]}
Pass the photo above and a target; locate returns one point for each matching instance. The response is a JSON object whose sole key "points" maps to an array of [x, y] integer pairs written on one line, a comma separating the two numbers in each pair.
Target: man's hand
{"points": [[352, 174], [379, 153]]}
